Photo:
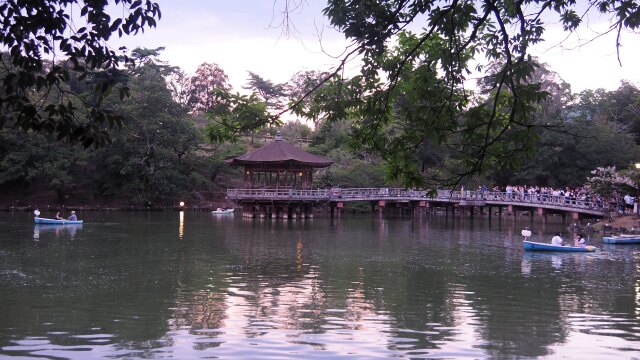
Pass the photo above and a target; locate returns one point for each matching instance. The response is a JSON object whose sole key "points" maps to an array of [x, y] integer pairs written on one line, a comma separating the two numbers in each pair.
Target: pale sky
{"points": [[242, 35]]}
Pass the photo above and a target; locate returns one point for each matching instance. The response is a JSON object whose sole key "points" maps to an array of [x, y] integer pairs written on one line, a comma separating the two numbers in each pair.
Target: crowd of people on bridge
{"points": [[542, 193], [622, 204], [575, 193]]}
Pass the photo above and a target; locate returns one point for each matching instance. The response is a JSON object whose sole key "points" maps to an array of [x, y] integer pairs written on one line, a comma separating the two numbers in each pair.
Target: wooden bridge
{"points": [[294, 203]]}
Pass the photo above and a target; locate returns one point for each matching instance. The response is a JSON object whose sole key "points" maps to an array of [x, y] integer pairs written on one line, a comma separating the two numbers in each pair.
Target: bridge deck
{"points": [[466, 198]]}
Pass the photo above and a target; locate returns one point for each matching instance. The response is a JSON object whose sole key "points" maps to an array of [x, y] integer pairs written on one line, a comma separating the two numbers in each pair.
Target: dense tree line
{"points": [[165, 151], [151, 134]]}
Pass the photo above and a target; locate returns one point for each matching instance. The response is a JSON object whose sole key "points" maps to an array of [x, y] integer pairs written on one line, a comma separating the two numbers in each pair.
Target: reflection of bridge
{"points": [[293, 202]]}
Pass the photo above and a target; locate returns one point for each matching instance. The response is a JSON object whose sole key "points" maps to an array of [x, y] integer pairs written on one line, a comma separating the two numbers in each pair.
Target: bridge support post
{"points": [[262, 212], [575, 216], [339, 207], [247, 211], [511, 211], [422, 205], [381, 205], [543, 214]]}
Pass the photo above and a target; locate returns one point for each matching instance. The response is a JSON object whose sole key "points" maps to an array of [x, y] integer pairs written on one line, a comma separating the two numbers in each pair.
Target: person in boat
{"points": [[58, 217], [556, 240], [576, 240], [219, 209], [582, 242], [73, 216]]}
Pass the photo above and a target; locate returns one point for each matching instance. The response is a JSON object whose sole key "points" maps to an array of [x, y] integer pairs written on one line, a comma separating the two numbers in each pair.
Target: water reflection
{"points": [[367, 288], [69, 230], [637, 293], [181, 226]]}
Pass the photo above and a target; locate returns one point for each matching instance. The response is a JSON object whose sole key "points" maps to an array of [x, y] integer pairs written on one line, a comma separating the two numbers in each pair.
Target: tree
{"points": [[609, 184], [202, 87], [272, 94], [147, 160], [412, 85], [235, 115], [299, 86], [33, 30], [621, 106], [28, 159]]}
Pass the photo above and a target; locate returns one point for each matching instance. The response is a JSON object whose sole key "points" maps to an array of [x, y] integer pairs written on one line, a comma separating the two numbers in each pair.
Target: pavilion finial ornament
{"points": [[278, 136]]}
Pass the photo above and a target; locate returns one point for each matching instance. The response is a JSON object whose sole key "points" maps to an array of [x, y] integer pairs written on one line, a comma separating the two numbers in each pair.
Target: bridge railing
{"points": [[372, 194], [279, 194]]}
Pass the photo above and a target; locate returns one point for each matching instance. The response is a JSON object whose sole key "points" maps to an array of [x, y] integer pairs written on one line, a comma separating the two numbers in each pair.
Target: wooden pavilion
{"points": [[278, 166]]}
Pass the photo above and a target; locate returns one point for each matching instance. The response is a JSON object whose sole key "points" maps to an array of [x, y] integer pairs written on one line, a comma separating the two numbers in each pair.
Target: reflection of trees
{"points": [[122, 280], [90, 283], [510, 328], [400, 284], [316, 284], [599, 292], [536, 306], [343, 285]]}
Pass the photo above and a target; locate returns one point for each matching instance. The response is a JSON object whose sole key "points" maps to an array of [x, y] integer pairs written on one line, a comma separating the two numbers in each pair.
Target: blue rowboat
{"points": [[621, 239], [40, 220], [536, 246]]}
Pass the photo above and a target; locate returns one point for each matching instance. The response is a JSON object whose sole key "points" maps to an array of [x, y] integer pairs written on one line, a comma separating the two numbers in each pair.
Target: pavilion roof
{"points": [[279, 152]]}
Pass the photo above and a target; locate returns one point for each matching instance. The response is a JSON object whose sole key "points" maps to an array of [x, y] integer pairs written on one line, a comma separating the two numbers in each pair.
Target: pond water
{"points": [[197, 285]]}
